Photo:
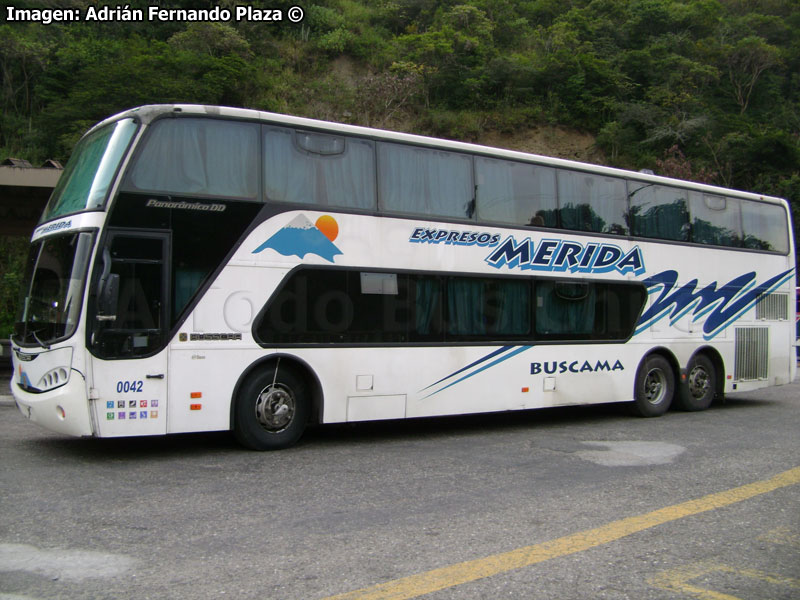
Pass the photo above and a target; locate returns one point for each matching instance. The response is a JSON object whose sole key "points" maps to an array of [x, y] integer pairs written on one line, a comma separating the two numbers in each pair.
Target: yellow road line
{"points": [[453, 575], [678, 580]]}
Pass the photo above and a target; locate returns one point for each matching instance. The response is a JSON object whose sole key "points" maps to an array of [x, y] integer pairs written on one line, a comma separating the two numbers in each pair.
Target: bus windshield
{"points": [[51, 302], [90, 170]]}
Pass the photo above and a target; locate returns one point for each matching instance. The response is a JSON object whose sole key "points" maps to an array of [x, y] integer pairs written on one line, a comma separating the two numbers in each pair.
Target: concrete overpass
{"points": [[24, 190]]}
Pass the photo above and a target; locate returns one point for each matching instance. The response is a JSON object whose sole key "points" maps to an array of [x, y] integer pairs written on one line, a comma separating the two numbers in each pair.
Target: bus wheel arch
{"points": [[702, 381], [273, 402], [656, 383]]}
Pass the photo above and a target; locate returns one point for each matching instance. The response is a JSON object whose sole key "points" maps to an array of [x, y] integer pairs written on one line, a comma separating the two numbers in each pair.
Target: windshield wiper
{"points": [[39, 341]]}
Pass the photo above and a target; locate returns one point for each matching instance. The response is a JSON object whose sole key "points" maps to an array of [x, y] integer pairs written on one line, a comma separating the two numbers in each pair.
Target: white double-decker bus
{"points": [[203, 268]]}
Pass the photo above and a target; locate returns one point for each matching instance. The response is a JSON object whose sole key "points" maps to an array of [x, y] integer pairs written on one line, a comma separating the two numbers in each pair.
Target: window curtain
{"points": [[425, 181], [514, 308], [348, 180], [293, 175], [466, 299], [200, 157], [73, 188], [495, 191], [427, 302], [186, 283], [540, 198], [558, 314]]}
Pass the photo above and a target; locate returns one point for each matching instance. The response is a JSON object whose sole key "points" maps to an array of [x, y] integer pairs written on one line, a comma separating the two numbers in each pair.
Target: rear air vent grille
{"points": [[752, 353], [773, 307]]}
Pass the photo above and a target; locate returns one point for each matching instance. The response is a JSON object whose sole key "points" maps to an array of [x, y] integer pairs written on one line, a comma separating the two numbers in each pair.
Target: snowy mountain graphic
{"points": [[298, 238]]}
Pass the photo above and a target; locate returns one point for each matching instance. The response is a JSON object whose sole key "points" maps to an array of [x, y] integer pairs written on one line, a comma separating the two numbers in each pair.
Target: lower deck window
{"points": [[567, 310], [328, 306]]}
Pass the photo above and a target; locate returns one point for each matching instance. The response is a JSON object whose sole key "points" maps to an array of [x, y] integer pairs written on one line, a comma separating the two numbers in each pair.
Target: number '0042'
{"points": [[126, 387]]}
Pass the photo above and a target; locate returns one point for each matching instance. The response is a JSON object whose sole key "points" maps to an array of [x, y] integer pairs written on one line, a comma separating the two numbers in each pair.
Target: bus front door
{"points": [[130, 357]]}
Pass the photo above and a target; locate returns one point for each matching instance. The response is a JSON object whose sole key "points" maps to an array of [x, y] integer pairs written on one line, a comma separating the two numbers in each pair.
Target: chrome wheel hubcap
{"points": [[655, 386], [699, 382], [275, 408]]}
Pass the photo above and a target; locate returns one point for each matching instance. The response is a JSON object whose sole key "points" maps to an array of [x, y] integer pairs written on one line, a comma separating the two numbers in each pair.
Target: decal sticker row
{"points": [[131, 410]]}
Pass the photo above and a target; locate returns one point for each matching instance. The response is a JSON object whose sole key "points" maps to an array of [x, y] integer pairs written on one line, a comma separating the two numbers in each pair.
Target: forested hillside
{"points": [[707, 90]]}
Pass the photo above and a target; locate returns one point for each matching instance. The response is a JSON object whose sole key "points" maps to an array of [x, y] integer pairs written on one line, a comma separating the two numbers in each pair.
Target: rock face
{"points": [[558, 142]]}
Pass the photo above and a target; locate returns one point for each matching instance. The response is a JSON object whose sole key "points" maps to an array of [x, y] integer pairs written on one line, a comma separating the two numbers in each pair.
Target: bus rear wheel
{"points": [[700, 388], [272, 409], [655, 387]]}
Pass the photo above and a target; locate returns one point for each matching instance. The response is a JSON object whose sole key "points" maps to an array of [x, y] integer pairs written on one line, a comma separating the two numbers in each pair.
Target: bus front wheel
{"points": [[655, 387], [272, 409]]}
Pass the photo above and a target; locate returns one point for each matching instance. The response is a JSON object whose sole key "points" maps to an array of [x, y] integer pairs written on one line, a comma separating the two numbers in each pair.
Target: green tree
{"points": [[746, 61], [13, 251]]}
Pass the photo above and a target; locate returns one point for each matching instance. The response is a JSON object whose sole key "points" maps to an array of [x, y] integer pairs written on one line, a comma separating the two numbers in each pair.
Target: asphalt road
{"points": [[568, 503]]}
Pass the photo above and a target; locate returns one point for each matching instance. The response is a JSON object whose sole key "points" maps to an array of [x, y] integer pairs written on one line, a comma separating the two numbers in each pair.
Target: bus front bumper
{"points": [[64, 409]]}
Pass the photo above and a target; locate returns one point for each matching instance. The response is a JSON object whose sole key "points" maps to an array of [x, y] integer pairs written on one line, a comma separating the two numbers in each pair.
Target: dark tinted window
{"points": [[329, 306], [200, 239], [482, 309], [223, 159], [587, 310], [138, 326], [659, 211], [323, 306], [592, 202]]}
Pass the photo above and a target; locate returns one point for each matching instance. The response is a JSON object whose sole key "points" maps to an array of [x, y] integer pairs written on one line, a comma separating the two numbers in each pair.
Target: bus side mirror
{"points": [[108, 298]]}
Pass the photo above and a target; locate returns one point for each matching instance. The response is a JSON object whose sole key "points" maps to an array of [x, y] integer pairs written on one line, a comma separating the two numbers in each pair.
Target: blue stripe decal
{"points": [[481, 370], [477, 362]]}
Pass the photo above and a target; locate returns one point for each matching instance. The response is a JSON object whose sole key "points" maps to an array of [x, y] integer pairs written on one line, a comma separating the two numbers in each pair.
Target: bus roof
{"points": [[148, 113]]}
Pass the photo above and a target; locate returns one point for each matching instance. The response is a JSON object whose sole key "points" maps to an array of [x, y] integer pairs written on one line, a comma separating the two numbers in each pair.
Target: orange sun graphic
{"points": [[328, 226]]}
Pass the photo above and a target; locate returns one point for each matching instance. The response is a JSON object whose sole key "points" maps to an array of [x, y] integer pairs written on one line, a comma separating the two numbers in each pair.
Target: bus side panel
{"points": [[202, 385], [215, 346], [381, 383], [530, 377]]}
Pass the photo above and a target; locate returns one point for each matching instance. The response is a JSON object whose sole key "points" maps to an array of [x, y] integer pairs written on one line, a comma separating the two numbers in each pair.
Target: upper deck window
{"points": [[516, 193], [311, 168], [764, 227], [425, 181], [592, 202], [85, 181], [199, 157], [659, 211], [229, 159], [716, 220]]}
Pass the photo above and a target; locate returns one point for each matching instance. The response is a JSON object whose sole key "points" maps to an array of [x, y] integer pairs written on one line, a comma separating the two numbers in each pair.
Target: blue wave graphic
{"points": [[720, 305]]}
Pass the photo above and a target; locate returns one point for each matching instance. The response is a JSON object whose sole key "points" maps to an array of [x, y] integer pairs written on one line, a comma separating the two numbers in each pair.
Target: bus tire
{"points": [[271, 409], [701, 385], [655, 387]]}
